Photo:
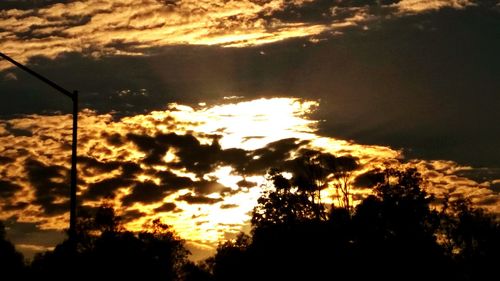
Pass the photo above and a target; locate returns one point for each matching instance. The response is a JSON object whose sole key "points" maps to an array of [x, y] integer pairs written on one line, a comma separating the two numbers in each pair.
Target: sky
{"points": [[186, 104]]}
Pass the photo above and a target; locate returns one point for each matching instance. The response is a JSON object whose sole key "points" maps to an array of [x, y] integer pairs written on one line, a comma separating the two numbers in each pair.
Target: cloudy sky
{"points": [[186, 104]]}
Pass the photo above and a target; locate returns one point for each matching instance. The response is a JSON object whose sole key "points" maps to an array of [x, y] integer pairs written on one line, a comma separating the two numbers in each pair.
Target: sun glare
{"points": [[207, 203]]}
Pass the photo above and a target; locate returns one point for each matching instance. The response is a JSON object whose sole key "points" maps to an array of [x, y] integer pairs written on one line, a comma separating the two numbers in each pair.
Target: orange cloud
{"points": [[185, 164], [125, 27]]}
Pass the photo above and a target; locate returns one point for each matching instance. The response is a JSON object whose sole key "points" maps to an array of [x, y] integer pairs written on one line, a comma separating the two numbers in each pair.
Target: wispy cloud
{"points": [[416, 6], [125, 27]]}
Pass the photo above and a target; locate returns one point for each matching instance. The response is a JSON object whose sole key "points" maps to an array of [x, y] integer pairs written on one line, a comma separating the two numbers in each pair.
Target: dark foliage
{"points": [[105, 251], [11, 261], [393, 234], [397, 233]]}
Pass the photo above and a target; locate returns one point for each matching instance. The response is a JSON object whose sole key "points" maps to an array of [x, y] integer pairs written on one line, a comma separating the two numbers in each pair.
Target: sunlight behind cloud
{"points": [[199, 169]]}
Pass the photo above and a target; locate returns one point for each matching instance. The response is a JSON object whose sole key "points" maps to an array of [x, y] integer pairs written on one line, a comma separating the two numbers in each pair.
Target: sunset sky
{"points": [[186, 104]]}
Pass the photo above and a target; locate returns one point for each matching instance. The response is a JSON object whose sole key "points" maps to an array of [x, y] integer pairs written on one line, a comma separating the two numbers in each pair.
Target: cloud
{"points": [[274, 154], [205, 187], [98, 28], [8, 189], [426, 5], [228, 206], [144, 192], [18, 206], [172, 181], [198, 199], [245, 183], [105, 188], [166, 207], [30, 238], [5, 160], [369, 179], [131, 215], [50, 183], [191, 164]]}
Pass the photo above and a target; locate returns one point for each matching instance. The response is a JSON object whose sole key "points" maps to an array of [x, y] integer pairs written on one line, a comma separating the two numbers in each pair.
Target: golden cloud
{"points": [[416, 6], [201, 159], [126, 27]]}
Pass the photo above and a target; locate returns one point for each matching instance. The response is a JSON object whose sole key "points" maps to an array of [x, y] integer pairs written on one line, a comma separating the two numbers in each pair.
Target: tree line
{"points": [[399, 232]]}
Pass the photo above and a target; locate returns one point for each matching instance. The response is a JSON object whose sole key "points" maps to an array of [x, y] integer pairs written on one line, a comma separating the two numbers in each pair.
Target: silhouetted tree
{"points": [[342, 168], [310, 175], [196, 272], [11, 261], [106, 251], [231, 260], [471, 237], [395, 229], [393, 234], [283, 204]]}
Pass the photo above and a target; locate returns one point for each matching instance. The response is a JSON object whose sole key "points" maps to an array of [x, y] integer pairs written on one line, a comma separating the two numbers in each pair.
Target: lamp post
{"points": [[74, 97]]}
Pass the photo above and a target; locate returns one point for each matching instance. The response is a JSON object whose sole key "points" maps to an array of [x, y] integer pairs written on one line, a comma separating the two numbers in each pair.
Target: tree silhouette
{"points": [[471, 237], [231, 260], [298, 198], [11, 261], [314, 171], [396, 227], [106, 251], [391, 235], [196, 272], [400, 232], [283, 204]]}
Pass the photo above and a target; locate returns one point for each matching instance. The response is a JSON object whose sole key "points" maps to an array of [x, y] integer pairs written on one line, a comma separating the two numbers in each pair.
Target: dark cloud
{"points": [[131, 215], [105, 188], [114, 139], [144, 192], [193, 156], [5, 160], [8, 189], [31, 234], [17, 206], [327, 11], [195, 199], [491, 201], [28, 4], [18, 132], [228, 206], [480, 174], [153, 147], [166, 207], [101, 166], [495, 187], [51, 183], [369, 179], [173, 182], [272, 155], [246, 184], [129, 169]]}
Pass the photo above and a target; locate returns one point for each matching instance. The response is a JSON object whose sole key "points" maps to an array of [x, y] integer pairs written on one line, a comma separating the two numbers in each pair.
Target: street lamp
{"points": [[74, 97]]}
